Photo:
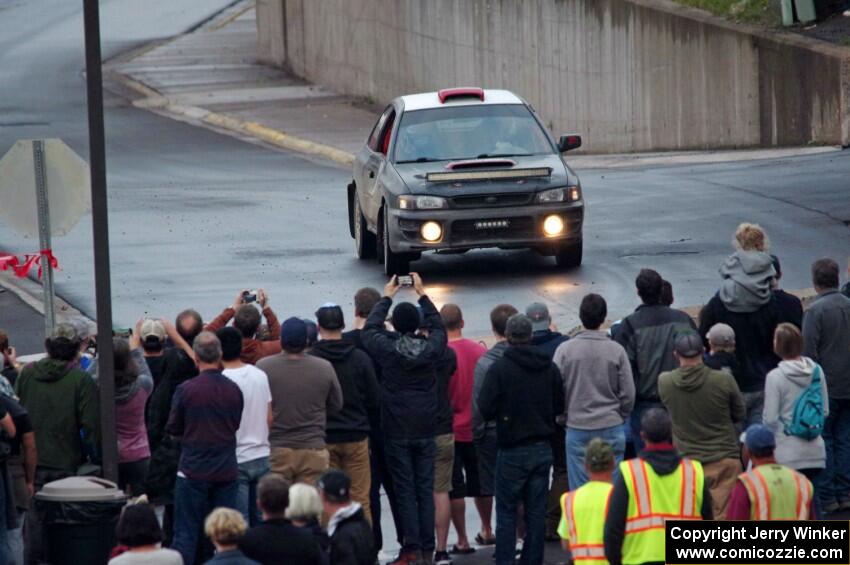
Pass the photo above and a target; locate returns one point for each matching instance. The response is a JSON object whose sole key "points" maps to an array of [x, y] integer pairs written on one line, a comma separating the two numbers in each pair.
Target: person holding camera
{"points": [[409, 407], [246, 318]]}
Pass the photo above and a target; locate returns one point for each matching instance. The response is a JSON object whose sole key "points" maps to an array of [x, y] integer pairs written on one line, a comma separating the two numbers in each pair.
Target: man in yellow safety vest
{"points": [[583, 510], [769, 491], [658, 485]]}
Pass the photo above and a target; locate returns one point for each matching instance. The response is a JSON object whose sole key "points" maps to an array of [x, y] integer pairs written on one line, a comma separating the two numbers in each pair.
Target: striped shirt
{"points": [[205, 414]]}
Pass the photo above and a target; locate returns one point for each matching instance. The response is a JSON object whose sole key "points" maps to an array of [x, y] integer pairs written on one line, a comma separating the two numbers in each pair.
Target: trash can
{"points": [[79, 515]]}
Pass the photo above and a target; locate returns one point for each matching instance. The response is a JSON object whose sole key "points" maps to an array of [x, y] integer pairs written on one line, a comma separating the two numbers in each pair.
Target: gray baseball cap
{"points": [[519, 329], [539, 315], [722, 335], [688, 345]]}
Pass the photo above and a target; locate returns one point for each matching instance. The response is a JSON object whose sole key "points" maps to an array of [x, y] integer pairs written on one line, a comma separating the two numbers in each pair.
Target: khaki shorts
{"points": [[444, 462]]}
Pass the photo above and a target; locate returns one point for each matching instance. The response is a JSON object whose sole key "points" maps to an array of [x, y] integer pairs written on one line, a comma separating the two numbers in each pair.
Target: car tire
{"points": [[569, 255], [364, 241], [394, 263]]}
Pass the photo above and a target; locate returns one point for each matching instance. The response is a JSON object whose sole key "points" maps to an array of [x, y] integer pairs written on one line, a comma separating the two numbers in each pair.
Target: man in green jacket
{"points": [[62, 403], [704, 406]]}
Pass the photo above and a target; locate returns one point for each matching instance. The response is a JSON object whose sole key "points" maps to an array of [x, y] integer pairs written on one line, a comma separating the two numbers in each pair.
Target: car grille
{"points": [[491, 200], [465, 231]]}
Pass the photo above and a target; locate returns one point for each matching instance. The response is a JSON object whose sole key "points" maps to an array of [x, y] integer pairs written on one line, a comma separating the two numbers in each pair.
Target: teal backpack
{"points": [[807, 419]]}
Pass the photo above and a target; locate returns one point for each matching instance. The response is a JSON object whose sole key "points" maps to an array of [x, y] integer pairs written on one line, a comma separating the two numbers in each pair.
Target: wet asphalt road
{"points": [[195, 215]]}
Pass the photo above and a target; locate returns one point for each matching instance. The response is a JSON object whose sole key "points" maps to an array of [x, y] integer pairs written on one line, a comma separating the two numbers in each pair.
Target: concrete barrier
{"points": [[629, 75]]}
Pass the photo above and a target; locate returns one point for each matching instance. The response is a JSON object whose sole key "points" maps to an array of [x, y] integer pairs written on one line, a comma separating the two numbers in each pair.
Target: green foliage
{"points": [[749, 11]]}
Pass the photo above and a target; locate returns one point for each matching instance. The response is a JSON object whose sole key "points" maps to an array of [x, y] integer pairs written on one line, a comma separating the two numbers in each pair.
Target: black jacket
{"points": [[523, 393], [790, 307], [409, 371], [352, 542], [360, 391], [277, 541], [663, 462], [445, 414], [548, 341], [647, 335], [753, 339], [177, 368]]}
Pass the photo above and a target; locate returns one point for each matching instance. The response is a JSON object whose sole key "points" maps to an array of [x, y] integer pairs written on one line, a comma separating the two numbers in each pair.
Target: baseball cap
{"points": [[519, 328], [151, 327], [758, 437], [688, 345], [539, 315], [65, 330], [722, 335], [599, 455], [336, 485], [330, 317], [293, 333]]}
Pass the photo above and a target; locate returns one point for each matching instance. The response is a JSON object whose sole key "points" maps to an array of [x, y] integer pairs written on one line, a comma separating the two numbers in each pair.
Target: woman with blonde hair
{"points": [[305, 512], [225, 527]]}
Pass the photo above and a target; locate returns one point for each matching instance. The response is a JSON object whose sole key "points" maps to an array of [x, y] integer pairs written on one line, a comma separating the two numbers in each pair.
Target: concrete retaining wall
{"points": [[629, 75]]}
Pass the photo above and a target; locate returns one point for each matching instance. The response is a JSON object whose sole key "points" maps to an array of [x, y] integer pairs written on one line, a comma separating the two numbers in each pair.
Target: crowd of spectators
{"points": [[269, 442]]}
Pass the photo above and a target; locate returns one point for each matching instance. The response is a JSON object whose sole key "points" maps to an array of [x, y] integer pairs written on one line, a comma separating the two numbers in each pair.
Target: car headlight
{"points": [[563, 194], [411, 202]]}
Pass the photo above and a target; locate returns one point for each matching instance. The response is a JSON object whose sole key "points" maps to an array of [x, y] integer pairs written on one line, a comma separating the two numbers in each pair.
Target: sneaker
{"points": [[442, 558], [831, 507], [519, 544], [844, 505]]}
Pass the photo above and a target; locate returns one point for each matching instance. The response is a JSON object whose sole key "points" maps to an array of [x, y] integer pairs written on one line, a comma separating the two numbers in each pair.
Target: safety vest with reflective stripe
{"points": [[585, 510], [777, 493], [655, 498]]}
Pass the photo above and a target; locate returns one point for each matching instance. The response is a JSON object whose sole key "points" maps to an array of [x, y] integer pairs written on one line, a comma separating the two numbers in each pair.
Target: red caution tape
{"points": [[22, 268]]}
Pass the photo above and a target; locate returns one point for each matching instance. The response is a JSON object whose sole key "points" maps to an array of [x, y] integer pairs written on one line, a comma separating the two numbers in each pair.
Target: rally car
{"points": [[460, 169]]}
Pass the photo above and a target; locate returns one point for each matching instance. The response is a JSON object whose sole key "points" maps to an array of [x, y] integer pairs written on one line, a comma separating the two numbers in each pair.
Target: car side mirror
{"points": [[569, 142]]}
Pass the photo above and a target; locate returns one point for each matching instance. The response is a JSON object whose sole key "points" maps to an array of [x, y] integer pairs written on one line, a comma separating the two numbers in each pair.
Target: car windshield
{"points": [[469, 132]]}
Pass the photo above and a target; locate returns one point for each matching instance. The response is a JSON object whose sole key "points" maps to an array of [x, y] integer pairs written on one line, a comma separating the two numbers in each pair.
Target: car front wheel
{"points": [[394, 263], [364, 240], [570, 254]]}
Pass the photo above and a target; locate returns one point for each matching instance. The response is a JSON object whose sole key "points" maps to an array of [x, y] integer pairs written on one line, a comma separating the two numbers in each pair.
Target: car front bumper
{"points": [[463, 230]]}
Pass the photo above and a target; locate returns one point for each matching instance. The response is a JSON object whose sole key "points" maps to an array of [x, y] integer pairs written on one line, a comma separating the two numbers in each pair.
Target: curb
{"points": [[32, 293], [153, 100]]}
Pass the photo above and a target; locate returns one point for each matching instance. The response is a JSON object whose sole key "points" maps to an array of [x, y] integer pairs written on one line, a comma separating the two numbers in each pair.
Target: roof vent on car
{"points": [[453, 93]]}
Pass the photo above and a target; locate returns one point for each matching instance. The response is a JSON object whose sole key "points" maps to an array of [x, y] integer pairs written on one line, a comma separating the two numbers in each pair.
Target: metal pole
{"points": [[44, 234], [100, 230]]}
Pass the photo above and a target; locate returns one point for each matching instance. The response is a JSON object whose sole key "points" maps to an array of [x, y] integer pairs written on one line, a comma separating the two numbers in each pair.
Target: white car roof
{"points": [[427, 100]]}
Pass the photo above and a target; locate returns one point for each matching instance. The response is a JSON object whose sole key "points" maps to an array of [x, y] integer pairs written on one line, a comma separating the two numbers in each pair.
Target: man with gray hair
{"points": [[523, 393], [205, 415]]}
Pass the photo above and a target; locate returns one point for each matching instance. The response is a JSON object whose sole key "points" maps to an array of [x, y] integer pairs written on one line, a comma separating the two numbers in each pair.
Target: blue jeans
{"points": [[522, 477], [641, 406], [577, 441], [193, 500], [411, 464], [250, 473], [834, 482]]}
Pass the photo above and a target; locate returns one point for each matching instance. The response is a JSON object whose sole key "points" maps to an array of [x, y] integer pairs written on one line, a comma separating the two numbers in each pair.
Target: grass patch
{"points": [[749, 11]]}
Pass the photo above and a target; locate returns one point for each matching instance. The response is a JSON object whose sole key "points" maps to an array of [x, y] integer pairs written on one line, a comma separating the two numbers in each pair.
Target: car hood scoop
{"points": [[471, 164]]}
